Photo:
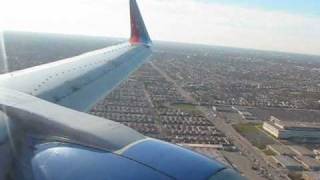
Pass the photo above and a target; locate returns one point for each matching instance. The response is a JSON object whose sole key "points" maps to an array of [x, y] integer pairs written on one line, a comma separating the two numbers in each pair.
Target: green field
{"points": [[246, 128], [254, 135], [186, 107], [269, 152]]}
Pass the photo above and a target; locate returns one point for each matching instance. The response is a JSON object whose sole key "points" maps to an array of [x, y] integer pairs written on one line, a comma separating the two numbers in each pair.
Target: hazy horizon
{"points": [[161, 41], [287, 26]]}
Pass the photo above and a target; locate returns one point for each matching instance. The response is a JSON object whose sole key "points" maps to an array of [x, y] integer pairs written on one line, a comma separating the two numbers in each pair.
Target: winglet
{"points": [[139, 33]]}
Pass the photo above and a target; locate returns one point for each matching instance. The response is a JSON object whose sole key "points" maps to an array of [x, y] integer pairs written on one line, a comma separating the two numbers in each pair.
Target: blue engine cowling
{"points": [[150, 159]]}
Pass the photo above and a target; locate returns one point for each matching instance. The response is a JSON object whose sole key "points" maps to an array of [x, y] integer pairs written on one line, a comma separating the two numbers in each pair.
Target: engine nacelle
{"points": [[3, 128], [5, 152]]}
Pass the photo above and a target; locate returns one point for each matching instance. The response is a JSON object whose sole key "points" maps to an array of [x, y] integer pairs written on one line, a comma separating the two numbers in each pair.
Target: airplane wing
{"points": [[43, 136], [79, 82]]}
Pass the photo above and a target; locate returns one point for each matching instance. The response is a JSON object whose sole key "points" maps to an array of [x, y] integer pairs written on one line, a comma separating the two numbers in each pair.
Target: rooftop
{"points": [[309, 162], [293, 124], [287, 161], [281, 149], [301, 151]]}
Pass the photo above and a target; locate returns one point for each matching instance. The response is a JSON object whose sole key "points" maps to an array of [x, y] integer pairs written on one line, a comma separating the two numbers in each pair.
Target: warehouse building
{"points": [[245, 114], [317, 153], [288, 163], [222, 108], [301, 151], [281, 150], [287, 129], [309, 163]]}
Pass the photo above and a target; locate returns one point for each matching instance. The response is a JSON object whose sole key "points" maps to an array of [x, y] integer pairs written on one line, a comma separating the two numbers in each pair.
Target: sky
{"points": [[280, 25]]}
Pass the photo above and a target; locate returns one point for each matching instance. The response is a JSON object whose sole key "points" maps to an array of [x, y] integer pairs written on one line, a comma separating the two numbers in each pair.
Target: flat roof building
{"points": [[288, 163], [244, 113], [317, 153], [301, 151], [222, 108], [309, 163], [287, 129], [281, 150]]}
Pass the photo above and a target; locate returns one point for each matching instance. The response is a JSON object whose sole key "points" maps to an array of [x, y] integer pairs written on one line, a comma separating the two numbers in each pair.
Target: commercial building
{"points": [[301, 151], [222, 108], [288, 163], [245, 114], [317, 153], [281, 150], [287, 129], [309, 162]]}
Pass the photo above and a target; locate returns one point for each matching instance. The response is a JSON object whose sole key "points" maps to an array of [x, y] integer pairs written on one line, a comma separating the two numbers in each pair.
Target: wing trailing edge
{"points": [[139, 33]]}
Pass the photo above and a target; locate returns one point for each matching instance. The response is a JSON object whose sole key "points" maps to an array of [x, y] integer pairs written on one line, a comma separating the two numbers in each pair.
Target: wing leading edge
{"points": [[79, 82]]}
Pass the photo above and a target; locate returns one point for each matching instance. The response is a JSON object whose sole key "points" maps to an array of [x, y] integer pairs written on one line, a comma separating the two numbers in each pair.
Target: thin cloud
{"points": [[172, 20]]}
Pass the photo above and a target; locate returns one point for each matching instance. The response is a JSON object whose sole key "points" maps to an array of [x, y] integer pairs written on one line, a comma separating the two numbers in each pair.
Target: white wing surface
{"points": [[79, 82]]}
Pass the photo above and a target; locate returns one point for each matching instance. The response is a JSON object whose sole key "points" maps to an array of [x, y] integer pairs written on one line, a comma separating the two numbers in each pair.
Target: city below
{"points": [[256, 111]]}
